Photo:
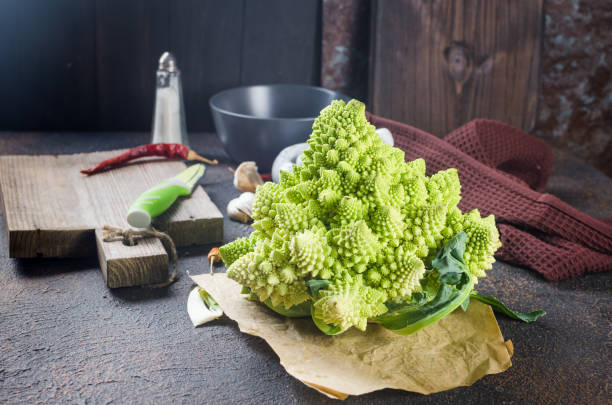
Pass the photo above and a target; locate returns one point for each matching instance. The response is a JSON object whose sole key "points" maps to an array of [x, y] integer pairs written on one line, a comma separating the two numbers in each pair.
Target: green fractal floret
{"points": [[347, 303], [350, 209], [356, 245], [311, 254], [483, 241], [397, 272], [444, 188], [279, 284], [424, 224], [389, 226], [233, 250], [359, 222]]}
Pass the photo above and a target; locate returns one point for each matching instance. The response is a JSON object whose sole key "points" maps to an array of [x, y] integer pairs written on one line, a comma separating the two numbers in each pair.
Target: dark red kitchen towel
{"points": [[503, 172]]}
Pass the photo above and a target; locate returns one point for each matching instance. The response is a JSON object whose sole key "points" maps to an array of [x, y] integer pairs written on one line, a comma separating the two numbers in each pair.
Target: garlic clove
{"points": [[247, 200], [235, 213], [246, 177], [201, 311], [241, 208]]}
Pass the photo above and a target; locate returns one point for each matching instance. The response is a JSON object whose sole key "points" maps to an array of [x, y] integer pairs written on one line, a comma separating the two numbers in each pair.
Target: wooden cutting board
{"points": [[52, 210]]}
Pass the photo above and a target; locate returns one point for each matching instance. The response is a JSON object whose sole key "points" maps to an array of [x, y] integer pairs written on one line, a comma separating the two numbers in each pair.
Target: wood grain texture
{"points": [[193, 220], [206, 38], [438, 64], [47, 77], [52, 210], [126, 266], [90, 64], [130, 38], [281, 42]]}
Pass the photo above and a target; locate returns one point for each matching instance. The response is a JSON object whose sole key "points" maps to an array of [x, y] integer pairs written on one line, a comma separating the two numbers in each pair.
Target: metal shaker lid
{"points": [[167, 62]]}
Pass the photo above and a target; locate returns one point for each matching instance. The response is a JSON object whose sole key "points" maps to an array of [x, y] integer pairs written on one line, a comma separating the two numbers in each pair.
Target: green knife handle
{"points": [[155, 201]]}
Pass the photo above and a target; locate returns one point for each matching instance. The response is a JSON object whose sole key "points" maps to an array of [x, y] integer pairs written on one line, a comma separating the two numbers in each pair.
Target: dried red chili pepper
{"points": [[168, 150]]}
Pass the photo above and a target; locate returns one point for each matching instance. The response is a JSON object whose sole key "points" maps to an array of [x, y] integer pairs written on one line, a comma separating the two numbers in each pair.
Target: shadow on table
{"points": [[192, 259], [45, 267], [141, 294], [195, 251]]}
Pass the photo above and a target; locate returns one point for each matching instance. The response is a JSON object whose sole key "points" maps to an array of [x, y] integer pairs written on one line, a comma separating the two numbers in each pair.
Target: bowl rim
{"points": [[255, 117]]}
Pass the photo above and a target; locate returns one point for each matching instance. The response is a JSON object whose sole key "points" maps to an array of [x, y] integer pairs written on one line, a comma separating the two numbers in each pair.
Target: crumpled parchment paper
{"points": [[455, 351]]}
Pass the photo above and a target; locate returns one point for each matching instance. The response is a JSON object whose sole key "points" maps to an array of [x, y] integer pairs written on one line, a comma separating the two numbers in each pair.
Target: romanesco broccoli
{"points": [[355, 214]]}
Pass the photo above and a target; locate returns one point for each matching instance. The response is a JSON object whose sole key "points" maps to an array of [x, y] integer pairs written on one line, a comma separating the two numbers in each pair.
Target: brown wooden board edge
{"points": [[83, 238], [5, 221], [124, 270]]}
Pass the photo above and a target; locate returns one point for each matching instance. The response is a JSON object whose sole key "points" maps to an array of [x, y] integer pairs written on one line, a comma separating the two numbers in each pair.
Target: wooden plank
{"points": [[193, 220], [438, 64], [48, 64], [281, 42], [124, 266], [130, 38], [205, 36], [91, 64], [52, 210]]}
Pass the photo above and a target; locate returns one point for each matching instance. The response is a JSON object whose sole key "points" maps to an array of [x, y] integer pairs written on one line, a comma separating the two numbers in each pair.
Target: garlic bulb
{"points": [[246, 177], [241, 208]]}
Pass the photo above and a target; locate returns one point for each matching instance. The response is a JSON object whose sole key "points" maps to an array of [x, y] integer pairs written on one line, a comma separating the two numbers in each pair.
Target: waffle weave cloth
{"points": [[503, 171]]}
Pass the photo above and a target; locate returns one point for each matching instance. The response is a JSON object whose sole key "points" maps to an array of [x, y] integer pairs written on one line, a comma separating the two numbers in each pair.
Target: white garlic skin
{"points": [[198, 312], [241, 208], [246, 177]]}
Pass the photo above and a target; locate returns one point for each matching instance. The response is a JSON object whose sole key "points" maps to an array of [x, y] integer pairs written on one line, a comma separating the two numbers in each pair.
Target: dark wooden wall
{"points": [[90, 64], [574, 103], [439, 64]]}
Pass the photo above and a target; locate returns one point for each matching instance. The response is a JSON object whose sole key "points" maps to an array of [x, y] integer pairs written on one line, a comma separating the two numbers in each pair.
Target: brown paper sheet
{"points": [[455, 351]]}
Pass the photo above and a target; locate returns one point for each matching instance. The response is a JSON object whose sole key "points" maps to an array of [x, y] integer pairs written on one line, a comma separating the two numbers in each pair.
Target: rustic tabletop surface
{"points": [[65, 337]]}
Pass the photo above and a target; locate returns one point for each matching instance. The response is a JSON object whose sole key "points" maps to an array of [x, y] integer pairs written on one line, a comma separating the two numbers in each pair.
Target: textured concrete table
{"points": [[65, 337]]}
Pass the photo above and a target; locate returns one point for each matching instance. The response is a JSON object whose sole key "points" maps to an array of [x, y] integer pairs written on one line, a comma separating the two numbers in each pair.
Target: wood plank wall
{"points": [[90, 64], [439, 64]]}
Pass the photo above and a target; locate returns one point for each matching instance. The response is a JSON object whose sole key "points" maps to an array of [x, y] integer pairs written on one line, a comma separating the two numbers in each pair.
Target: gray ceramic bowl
{"points": [[257, 122]]}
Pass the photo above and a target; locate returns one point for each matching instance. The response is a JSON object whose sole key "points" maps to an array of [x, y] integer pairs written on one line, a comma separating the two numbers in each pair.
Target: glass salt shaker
{"points": [[169, 114]]}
